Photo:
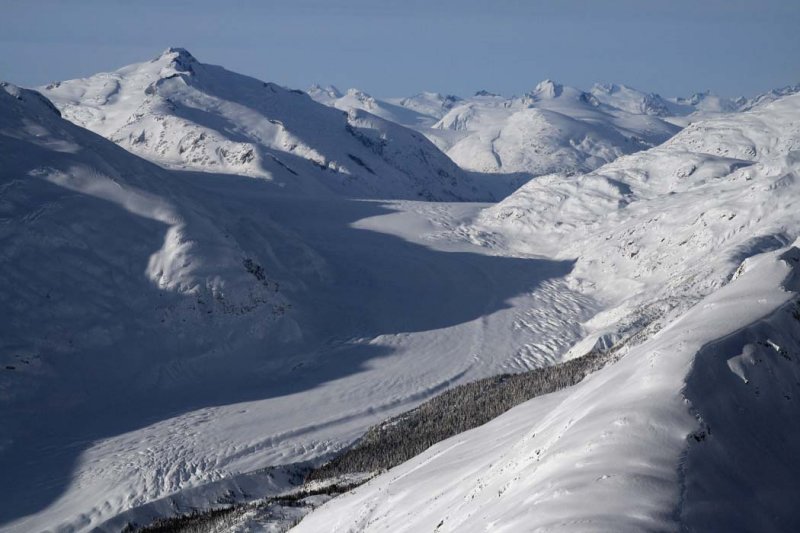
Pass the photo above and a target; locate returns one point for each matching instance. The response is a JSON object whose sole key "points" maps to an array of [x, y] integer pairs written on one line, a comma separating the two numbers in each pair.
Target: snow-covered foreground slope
{"points": [[691, 249], [171, 329], [181, 113], [633, 447]]}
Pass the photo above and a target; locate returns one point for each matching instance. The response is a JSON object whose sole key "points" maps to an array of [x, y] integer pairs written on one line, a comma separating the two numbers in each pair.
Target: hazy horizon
{"points": [[391, 48]]}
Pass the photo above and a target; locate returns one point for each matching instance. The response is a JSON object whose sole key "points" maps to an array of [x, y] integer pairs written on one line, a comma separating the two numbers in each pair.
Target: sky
{"points": [[396, 48]]}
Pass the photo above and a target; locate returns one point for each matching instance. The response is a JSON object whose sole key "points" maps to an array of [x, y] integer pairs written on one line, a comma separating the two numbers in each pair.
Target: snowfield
{"points": [[213, 282]]}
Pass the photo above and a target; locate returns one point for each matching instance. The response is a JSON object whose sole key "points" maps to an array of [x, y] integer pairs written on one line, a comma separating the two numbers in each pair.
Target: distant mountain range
{"points": [[553, 128]]}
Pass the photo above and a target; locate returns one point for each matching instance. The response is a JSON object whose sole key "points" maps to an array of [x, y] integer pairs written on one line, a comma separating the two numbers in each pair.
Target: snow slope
{"points": [[116, 295], [181, 113], [627, 449], [691, 250], [171, 330], [655, 230]]}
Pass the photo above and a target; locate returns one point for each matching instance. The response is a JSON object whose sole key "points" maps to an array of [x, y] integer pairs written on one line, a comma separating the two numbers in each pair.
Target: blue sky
{"points": [[393, 48]]}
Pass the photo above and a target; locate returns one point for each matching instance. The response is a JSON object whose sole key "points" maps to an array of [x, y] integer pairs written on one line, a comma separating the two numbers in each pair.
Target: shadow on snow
{"points": [[351, 284]]}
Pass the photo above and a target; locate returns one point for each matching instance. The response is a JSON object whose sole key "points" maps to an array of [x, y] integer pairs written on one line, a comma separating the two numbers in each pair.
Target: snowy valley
{"points": [[216, 284]]}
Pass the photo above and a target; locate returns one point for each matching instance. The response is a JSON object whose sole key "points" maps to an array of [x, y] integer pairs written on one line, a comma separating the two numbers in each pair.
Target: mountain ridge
{"points": [[181, 113]]}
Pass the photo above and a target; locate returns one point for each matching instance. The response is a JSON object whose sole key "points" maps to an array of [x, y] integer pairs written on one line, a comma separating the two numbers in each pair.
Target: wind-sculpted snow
{"points": [[181, 113]]}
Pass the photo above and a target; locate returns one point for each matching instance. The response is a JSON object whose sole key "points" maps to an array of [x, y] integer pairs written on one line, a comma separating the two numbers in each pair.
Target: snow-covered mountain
{"points": [[428, 103], [181, 113], [64, 187], [551, 129], [421, 111], [689, 431], [635, 101], [174, 332], [769, 96], [210, 295], [676, 220], [128, 291], [692, 250], [699, 105]]}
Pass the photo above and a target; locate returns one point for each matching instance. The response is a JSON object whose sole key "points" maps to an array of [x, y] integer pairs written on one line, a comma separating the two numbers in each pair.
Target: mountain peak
{"points": [[29, 97], [179, 58], [11, 89], [176, 51], [360, 95], [608, 88], [696, 98], [548, 89], [329, 90]]}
